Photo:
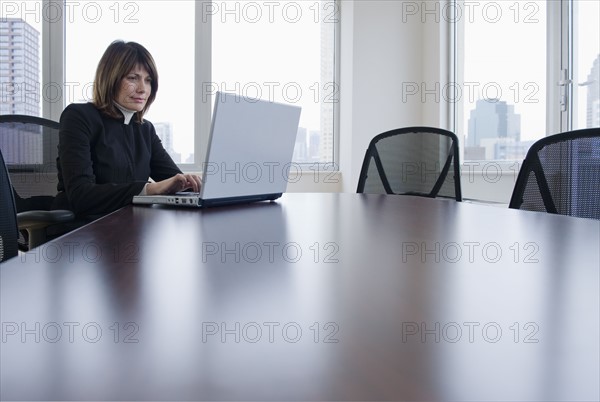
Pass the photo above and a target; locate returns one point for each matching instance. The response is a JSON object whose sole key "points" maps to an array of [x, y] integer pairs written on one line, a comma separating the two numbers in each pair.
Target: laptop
{"points": [[249, 154]]}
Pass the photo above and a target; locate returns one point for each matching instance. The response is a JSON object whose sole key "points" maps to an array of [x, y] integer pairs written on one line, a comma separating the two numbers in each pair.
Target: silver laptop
{"points": [[249, 154]]}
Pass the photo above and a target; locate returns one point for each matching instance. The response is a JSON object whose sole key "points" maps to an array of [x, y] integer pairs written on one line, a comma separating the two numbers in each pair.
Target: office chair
{"points": [[29, 145], [9, 232], [561, 175], [420, 161]]}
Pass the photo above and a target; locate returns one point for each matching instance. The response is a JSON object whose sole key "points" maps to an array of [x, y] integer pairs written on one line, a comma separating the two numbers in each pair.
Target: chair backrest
{"points": [[419, 161], [30, 148], [9, 232], [561, 175]]}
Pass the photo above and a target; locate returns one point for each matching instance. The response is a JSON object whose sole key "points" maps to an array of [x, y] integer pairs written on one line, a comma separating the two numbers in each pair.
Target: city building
{"points": [[493, 126], [328, 91], [593, 95], [165, 133], [19, 68], [314, 145], [493, 118], [301, 147]]}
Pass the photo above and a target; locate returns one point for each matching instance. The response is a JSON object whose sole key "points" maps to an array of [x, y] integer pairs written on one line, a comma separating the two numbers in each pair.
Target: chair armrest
{"points": [[40, 219]]}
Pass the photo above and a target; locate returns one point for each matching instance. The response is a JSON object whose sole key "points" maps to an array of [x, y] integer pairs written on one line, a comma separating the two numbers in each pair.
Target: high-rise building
{"points": [[593, 95], [165, 133], [314, 145], [19, 68], [301, 146], [163, 130], [328, 92], [493, 118]]}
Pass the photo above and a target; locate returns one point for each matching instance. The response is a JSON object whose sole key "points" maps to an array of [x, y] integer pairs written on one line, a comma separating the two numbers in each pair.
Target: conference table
{"points": [[310, 297]]}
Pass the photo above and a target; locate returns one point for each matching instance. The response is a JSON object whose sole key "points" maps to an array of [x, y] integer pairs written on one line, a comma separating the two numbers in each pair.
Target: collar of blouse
{"points": [[127, 114]]}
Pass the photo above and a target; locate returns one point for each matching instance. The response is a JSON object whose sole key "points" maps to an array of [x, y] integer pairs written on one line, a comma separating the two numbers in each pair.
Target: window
{"points": [[524, 70], [282, 51], [504, 80], [21, 57], [585, 56], [166, 29]]}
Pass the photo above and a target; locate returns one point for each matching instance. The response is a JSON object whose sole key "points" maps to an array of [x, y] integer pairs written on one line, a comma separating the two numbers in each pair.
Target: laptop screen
{"points": [[250, 147]]}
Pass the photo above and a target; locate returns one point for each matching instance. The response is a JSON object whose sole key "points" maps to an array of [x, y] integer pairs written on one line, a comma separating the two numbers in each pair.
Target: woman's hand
{"points": [[179, 182]]}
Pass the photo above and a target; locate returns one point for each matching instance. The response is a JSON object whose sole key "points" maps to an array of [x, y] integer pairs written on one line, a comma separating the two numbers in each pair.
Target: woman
{"points": [[107, 151]]}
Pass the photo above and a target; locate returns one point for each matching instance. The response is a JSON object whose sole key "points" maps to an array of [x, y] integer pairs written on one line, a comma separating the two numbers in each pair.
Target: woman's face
{"points": [[135, 89]]}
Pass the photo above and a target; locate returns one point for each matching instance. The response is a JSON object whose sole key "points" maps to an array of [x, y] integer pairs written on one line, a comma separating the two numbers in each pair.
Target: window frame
{"points": [[558, 56]]}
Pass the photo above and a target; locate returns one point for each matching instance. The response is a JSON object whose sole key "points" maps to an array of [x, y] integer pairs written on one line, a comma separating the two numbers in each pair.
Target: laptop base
{"points": [[194, 201]]}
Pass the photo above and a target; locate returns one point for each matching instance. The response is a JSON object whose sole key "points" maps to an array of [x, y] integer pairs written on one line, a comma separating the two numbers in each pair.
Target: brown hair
{"points": [[117, 61]]}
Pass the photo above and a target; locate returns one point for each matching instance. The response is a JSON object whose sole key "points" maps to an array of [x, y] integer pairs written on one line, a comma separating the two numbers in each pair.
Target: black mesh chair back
{"points": [[9, 232], [420, 161], [30, 148], [561, 175]]}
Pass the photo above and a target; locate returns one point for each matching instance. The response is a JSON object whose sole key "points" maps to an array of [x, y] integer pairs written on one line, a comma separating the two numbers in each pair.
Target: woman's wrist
{"points": [[151, 189]]}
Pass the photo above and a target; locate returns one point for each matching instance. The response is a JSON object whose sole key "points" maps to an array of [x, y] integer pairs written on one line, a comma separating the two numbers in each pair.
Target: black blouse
{"points": [[102, 162]]}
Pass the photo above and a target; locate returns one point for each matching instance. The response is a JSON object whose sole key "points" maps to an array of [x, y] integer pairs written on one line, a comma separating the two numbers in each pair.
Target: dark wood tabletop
{"points": [[311, 297]]}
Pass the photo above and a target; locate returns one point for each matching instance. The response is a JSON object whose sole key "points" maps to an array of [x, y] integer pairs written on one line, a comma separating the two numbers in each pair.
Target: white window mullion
{"points": [[203, 63], [566, 65], [53, 68], [556, 96]]}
